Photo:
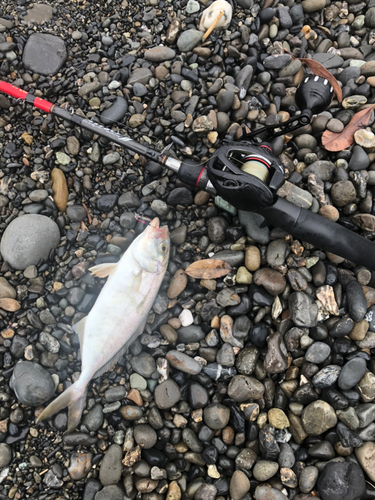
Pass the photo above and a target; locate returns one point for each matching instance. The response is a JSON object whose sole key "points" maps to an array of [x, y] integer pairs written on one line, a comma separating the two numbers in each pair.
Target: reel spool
{"points": [[251, 164], [256, 168]]}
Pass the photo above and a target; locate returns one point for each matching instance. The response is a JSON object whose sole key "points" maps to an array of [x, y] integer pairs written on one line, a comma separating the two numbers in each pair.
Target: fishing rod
{"points": [[245, 173]]}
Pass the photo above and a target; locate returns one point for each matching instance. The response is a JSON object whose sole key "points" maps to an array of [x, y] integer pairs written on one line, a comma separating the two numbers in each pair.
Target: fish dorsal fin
{"points": [[103, 270], [79, 328]]}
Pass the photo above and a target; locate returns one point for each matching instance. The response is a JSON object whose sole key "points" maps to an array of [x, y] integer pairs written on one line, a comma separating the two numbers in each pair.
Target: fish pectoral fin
{"points": [[103, 270], [79, 328], [112, 362]]}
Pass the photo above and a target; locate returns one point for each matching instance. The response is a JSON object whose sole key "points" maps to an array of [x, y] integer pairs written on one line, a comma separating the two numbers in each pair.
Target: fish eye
{"points": [[163, 248]]}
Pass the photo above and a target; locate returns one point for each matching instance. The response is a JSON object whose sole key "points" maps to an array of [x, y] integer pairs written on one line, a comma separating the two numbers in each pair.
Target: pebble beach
{"points": [[258, 385]]}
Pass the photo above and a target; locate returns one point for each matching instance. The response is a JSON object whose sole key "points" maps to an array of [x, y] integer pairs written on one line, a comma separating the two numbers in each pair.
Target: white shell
{"points": [[210, 14]]}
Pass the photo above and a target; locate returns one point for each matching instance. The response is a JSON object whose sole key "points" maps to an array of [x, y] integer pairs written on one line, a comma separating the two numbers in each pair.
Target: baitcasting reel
{"points": [[248, 175]]}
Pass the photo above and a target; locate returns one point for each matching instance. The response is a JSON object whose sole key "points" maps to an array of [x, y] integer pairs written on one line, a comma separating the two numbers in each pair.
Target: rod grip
{"points": [[321, 232], [13, 91]]}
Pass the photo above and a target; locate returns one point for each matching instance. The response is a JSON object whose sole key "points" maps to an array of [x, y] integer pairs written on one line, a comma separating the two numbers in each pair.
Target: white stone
{"points": [[186, 318]]}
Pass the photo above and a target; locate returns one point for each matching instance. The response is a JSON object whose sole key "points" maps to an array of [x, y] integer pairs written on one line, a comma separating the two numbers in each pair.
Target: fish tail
{"points": [[74, 397]]}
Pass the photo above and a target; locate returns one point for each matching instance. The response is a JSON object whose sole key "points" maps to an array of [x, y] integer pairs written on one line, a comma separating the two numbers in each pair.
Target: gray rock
{"points": [[183, 362], [351, 373], [366, 414], [329, 61], [44, 54], [188, 334], [89, 87], [265, 469], [359, 159], [143, 364], [5, 455], [318, 417], [370, 17], [252, 222], [266, 492], [286, 457], [129, 200], [191, 440], [216, 229], [111, 466], [141, 75], [139, 90], [167, 394], [243, 79], [357, 304], [115, 113], [326, 377], [189, 39], [216, 416], [241, 388], [160, 208], [145, 436], [28, 239], [247, 359], [225, 355], [159, 54], [32, 384], [276, 360], [344, 480], [308, 478], [206, 492], [239, 485], [277, 61], [38, 195], [276, 253], [38, 14], [76, 213], [115, 394], [231, 257], [322, 169], [111, 492], [6, 289], [317, 353], [225, 100], [94, 418], [246, 458], [343, 193], [303, 310]]}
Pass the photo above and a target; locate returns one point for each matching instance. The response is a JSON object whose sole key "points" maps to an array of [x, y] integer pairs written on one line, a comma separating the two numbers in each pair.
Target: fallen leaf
{"points": [[208, 269], [10, 305], [319, 70], [338, 142]]}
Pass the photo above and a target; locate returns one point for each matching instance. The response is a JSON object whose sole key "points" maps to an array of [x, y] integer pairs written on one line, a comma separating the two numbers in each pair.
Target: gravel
{"points": [[259, 384]]}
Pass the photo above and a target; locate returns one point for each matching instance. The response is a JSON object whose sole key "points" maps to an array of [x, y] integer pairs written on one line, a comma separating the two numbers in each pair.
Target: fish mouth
{"points": [[155, 223], [161, 231]]}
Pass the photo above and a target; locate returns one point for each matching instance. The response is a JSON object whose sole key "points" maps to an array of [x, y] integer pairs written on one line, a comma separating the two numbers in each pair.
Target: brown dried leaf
{"points": [[338, 142], [208, 269], [319, 70]]}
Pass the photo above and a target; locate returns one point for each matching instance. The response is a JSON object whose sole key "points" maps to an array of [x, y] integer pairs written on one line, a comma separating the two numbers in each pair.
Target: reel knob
{"points": [[314, 94]]}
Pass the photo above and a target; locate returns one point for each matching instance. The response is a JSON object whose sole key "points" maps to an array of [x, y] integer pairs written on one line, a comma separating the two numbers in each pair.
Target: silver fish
{"points": [[118, 316]]}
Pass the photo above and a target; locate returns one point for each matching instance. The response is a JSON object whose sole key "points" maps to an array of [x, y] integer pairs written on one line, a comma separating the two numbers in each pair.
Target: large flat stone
{"points": [[40, 13], [44, 54]]}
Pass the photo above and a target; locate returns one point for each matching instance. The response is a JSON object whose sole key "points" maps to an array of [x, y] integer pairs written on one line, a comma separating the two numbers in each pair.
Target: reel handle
{"points": [[321, 232]]}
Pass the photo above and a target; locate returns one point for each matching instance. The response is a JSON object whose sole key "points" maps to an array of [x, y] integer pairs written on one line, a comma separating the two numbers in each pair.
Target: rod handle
{"points": [[13, 91]]}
